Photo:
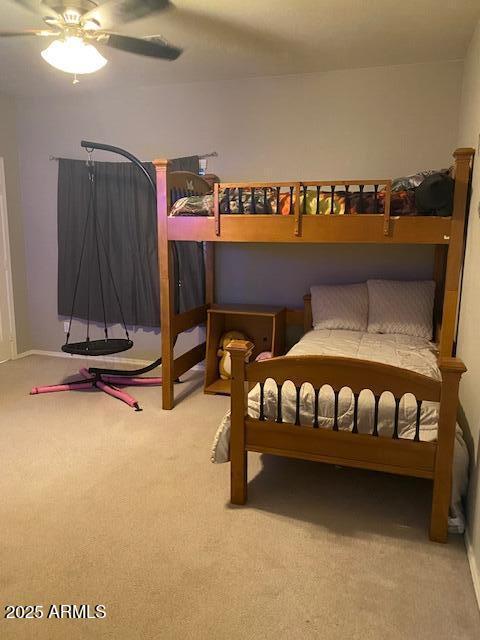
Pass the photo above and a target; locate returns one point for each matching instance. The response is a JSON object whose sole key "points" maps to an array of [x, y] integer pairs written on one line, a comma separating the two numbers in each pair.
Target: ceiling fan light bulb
{"points": [[73, 55]]}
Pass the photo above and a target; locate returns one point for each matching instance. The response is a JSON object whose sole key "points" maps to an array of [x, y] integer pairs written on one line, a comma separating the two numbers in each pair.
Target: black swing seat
{"points": [[98, 347]]}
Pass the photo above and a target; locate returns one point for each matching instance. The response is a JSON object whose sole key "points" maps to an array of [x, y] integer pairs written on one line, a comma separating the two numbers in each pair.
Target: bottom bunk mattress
{"points": [[406, 352]]}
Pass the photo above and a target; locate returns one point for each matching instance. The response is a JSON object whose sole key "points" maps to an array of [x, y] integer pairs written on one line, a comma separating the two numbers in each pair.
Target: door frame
{"points": [[8, 260]]}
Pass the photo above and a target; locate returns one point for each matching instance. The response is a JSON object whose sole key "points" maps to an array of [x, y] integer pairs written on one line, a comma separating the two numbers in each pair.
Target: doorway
{"points": [[8, 346]]}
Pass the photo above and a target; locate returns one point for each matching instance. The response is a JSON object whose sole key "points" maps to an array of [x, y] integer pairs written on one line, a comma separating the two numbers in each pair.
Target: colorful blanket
{"points": [[402, 203]]}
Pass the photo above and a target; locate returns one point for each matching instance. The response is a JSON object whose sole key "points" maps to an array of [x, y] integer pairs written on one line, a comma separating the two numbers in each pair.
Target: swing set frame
{"points": [[105, 379]]}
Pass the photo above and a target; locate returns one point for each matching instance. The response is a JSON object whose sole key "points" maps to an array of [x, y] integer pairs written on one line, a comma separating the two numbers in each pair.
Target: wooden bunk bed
{"points": [[396, 455]]}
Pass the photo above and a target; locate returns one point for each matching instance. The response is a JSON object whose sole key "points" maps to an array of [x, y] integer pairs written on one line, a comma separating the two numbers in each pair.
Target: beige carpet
{"points": [[100, 504]]}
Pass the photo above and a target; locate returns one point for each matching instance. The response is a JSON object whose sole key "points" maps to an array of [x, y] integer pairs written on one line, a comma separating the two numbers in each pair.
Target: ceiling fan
{"points": [[79, 24]]}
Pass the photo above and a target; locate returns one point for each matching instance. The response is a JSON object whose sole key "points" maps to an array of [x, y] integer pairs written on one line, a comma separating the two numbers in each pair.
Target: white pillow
{"points": [[396, 306], [340, 306]]}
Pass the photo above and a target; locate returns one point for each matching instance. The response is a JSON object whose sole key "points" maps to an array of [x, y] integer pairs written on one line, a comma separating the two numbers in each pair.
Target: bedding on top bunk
{"points": [[404, 351], [402, 203], [426, 193]]}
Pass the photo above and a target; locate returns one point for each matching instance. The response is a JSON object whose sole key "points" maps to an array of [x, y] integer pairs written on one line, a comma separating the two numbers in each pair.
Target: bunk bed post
{"points": [[463, 159], [452, 370], [439, 266], [239, 351], [166, 282]]}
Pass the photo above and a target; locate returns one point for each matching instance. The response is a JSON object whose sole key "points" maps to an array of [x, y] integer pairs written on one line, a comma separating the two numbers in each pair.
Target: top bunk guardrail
{"points": [[297, 199]]}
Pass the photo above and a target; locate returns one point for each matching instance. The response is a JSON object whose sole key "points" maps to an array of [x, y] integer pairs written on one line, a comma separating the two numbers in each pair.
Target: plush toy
{"points": [[264, 355], [225, 364]]}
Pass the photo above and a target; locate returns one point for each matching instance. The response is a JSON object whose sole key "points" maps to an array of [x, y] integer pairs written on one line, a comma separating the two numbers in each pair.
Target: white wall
{"points": [[469, 336], [370, 123], [8, 150]]}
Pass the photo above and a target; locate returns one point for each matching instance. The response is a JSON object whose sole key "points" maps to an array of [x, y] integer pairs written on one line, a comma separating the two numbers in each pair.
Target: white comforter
{"points": [[415, 354]]}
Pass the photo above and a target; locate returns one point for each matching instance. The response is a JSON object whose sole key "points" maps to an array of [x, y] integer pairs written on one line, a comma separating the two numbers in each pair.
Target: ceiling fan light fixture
{"points": [[73, 55]]}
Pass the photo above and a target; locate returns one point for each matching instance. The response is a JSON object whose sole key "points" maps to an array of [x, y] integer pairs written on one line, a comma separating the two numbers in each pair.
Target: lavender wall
{"points": [[367, 123]]}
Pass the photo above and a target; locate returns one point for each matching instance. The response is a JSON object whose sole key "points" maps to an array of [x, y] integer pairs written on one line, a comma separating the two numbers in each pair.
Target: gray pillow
{"points": [[397, 306], [343, 306]]}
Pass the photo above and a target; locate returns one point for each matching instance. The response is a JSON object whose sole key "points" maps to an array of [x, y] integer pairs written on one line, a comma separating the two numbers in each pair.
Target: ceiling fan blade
{"points": [[38, 7], [114, 12], [152, 47], [29, 32]]}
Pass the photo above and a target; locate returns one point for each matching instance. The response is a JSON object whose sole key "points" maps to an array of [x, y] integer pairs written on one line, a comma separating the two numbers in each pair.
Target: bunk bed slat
{"points": [[297, 405], [315, 410], [262, 401], [417, 421], [395, 422], [347, 199], [335, 410], [227, 197], [375, 416], [279, 403], [332, 200], [361, 187]]}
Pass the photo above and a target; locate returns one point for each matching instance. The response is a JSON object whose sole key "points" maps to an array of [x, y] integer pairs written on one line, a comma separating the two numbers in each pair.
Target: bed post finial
{"points": [[464, 151]]}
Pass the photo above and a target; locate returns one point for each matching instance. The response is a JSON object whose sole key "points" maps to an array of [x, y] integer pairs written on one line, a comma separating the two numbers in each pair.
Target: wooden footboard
{"points": [[350, 448]]}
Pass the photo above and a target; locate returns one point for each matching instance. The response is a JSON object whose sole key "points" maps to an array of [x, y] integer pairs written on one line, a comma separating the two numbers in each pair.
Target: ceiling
{"points": [[239, 38]]}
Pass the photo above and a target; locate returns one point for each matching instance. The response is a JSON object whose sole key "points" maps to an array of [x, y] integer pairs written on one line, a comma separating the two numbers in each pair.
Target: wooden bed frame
{"points": [[395, 455]]}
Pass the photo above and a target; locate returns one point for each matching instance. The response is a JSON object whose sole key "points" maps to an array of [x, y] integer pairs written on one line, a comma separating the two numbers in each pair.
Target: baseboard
{"points": [[112, 359], [474, 569], [61, 354]]}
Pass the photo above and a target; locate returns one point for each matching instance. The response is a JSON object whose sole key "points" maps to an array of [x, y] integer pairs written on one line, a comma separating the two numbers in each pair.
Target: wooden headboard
{"points": [[186, 183]]}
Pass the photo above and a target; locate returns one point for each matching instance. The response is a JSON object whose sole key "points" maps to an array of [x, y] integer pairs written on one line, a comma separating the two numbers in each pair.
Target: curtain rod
{"points": [[212, 154]]}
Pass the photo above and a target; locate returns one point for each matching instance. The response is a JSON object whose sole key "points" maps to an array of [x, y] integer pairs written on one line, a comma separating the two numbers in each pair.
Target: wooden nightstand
{"points": [[264, 326]]}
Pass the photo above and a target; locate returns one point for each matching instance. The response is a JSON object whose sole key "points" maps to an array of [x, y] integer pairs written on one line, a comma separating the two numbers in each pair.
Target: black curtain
{"points": [[188, 163], [122, 274], [188, 257]]}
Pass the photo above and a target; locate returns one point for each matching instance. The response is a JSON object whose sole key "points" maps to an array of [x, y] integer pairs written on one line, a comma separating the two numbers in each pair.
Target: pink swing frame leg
{"points": [[118, 393], [105, 383], [61, 387]]}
